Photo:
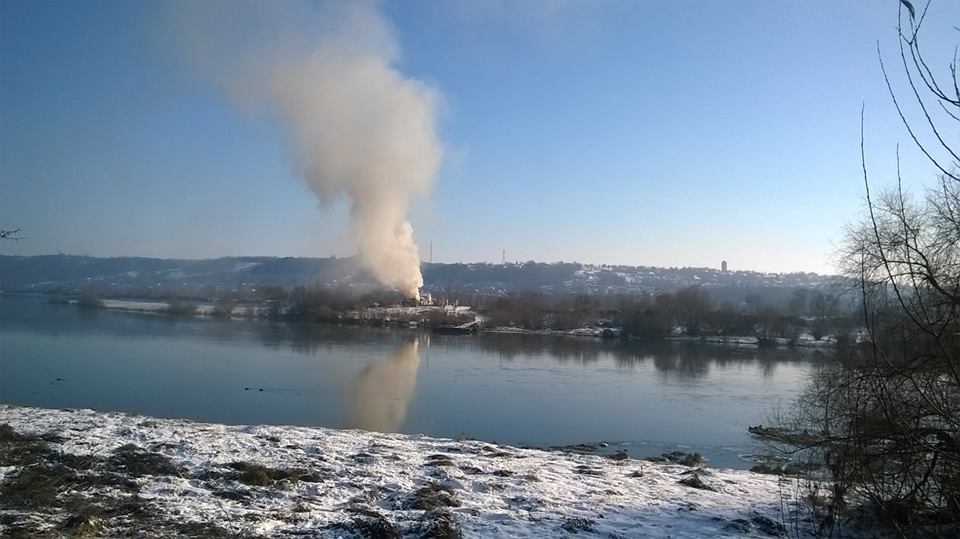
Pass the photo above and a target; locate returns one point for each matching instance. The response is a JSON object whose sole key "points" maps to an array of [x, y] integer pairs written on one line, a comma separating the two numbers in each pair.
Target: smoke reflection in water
{"points": [[381, 395]]}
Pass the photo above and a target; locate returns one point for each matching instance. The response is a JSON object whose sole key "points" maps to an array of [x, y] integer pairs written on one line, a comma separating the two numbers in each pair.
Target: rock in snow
{"points": [[81, 471]]}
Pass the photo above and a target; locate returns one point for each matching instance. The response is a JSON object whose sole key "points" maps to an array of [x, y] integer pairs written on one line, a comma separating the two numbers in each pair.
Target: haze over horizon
{"points": [[732, 268], [600, 132]]}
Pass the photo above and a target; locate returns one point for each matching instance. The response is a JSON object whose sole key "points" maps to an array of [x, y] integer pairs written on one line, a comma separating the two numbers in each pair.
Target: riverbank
{"points": [[595, 332], [804, 341], [428, 316], [80, 471], [399, 316]]}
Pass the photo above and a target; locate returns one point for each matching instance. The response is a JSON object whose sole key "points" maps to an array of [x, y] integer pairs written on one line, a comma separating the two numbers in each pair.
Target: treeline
{"points": [[692, 312], [326, 303], [318, 303], [688, 311]]}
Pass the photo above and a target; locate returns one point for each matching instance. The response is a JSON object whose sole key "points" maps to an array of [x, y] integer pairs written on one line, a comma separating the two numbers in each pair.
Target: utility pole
{"points": [[431, 251]]}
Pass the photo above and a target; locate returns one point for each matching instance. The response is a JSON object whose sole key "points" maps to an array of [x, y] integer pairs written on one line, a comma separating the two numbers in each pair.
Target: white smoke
{"points": [[357, 125]]}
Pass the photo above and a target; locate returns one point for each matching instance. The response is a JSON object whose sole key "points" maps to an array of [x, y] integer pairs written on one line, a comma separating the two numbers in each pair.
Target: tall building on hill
{"points": [[723, 266]]}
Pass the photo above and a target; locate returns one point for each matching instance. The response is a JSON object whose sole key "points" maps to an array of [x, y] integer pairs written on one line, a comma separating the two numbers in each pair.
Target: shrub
{"points": [[181, 307], [90, 299]]}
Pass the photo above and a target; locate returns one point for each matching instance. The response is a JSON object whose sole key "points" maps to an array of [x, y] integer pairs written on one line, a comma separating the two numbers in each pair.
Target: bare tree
{"points": [[885, 424]]}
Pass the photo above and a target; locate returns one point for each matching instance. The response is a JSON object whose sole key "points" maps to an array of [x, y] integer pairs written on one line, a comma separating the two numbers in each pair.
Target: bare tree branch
{"points": [[10, 234]]}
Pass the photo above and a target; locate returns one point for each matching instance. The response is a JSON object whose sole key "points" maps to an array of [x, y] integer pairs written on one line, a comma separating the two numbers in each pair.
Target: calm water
{"points": [[647, 396]]}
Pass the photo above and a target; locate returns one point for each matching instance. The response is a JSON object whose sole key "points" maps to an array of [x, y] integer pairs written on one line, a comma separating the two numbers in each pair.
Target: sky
{"points": [[621, 132]]}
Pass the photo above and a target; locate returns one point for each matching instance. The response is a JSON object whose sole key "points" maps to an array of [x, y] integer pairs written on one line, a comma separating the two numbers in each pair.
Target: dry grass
{"points": [[139, 462], [433, 496], [262, 476], [55, 494], [678, 457], [439, 524]]}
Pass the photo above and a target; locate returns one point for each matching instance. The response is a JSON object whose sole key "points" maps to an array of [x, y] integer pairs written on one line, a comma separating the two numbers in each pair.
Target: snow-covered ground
{"points": [[805, 339], [272, 480], [577, 332], [142, 306], [157, 306]]}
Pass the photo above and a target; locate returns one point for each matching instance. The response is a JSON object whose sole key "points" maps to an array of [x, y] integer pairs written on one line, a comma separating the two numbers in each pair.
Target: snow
{"points": [[243, 266], [6, 471], [503, 491], [576, 332], [207, 310], [729, 339], [151, 306], [807, 339], [144, 306]]}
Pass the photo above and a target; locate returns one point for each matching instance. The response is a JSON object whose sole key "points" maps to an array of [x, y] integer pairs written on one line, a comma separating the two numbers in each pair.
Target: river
{"points": [[644, 397]]}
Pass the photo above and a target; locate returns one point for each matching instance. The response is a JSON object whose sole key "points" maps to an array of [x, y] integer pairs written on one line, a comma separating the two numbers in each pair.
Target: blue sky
{"points": [[669, 133]]}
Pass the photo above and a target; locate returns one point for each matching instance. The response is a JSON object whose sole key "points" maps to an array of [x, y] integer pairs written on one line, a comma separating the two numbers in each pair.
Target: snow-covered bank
{"points": [[392, 315], [162, 307], [805, 340], [136, 306], [596, 332], [207, 479]]}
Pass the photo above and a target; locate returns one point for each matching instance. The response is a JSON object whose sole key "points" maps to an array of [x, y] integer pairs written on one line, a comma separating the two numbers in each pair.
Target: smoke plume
{"points": [[356, 125]]}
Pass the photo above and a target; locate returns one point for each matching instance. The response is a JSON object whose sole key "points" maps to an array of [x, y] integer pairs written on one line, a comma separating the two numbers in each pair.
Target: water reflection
{"points": [[672, 360], [381, 394], [513, 388], [311, 339], [682, 360]]}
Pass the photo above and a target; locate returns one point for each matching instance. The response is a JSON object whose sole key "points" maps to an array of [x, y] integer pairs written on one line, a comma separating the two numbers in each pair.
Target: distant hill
{"points": [[66, 272], [132, 275]]}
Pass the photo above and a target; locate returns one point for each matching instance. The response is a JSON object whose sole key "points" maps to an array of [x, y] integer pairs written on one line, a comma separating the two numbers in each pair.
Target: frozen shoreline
{"points": [[344, 483]]}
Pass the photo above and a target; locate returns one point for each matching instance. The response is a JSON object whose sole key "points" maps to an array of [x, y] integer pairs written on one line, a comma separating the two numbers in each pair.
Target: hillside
{"points": [[130, 275]]}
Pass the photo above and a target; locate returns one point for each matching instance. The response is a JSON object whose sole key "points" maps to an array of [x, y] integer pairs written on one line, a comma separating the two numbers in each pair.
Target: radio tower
{"points": [[503, 259]]}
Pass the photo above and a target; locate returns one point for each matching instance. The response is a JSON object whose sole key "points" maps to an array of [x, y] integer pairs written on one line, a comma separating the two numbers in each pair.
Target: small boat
{"points": [[463, 329]]}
